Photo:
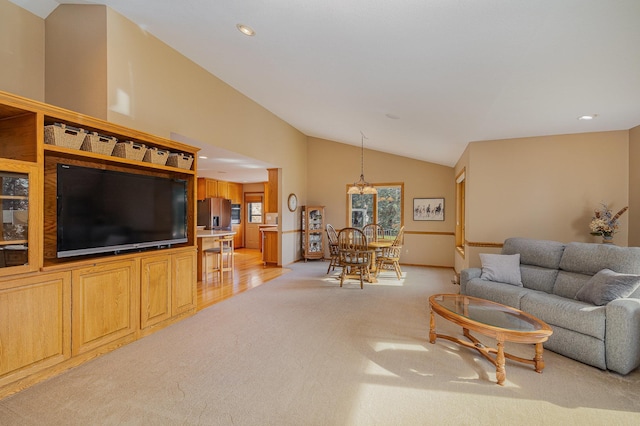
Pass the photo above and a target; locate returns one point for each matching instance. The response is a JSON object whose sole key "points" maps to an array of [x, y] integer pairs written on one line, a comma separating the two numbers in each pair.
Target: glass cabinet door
{"points": [[16, 186]]}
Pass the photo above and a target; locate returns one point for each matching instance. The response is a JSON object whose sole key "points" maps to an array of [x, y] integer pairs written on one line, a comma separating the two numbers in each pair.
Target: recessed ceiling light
{"points": [[587, 117], [203, 157], [245, 30]]}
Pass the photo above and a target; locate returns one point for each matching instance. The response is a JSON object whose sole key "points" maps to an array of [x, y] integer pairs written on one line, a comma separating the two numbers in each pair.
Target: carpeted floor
{"points": [[300, 350]]}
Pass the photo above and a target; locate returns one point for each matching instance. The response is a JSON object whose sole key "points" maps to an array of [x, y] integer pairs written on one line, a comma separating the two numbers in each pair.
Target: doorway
{"points": [[254, 208]]}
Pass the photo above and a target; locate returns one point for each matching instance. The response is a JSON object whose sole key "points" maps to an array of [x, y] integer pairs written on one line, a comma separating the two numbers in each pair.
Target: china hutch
{"points": [[312, 232]]}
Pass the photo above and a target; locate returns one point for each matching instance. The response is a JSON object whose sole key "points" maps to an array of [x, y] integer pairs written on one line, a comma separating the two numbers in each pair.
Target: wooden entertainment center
{"points": [[58, 313]]}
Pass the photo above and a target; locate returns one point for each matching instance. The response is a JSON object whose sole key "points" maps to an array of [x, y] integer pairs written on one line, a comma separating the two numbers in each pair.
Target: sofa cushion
{"points": [[501, 268], [509, 295], [538, 278], [606, 286], [543, 253], [588, 258], [569, 283], [567, 313]]}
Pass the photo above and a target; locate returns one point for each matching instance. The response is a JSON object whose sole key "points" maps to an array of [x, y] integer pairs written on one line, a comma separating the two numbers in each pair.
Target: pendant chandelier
{"points": [[362, 186]]}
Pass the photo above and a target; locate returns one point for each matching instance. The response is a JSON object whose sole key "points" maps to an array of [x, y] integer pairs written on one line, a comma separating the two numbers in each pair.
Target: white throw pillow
{"points": [[503, 268]]}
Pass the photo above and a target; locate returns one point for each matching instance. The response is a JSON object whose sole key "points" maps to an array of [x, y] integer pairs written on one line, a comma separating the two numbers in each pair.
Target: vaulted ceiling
{"points": [[420, 78]]}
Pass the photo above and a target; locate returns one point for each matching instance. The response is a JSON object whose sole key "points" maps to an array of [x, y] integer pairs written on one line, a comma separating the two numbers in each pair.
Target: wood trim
{"points": [[483, 244], [429, 233]]}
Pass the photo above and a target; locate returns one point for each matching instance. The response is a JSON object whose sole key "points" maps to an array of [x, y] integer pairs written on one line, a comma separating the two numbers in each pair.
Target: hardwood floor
{"points": [[249, 272]]}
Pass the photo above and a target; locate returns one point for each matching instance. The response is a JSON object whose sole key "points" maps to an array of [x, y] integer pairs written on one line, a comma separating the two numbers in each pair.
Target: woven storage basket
{"points": [[130, 150], [156, 156], [182, 161], [99, 144], [61, 135]]}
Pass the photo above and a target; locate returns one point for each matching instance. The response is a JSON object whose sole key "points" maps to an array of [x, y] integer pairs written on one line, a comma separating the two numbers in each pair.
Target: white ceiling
{"points": [[451, 71]]}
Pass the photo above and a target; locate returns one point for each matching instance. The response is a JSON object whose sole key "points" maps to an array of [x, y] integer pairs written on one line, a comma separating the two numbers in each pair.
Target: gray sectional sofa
{"points": [[553, 277]]}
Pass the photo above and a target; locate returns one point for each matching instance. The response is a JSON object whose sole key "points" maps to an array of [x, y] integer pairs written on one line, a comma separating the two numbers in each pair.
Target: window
{"points": [[255, 212], [384, 208]]}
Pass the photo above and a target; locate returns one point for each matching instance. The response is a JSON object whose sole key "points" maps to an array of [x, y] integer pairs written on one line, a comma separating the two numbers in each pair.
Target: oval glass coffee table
{"points": [[491, 319]]}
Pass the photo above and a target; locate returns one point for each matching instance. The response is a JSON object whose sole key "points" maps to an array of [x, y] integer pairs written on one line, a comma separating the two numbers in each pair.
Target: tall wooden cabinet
{"points": [[57, 313], [312, 232]]}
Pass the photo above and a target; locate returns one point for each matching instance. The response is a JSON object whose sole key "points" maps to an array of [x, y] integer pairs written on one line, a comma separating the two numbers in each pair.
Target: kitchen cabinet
{"points": [[207, 188], [235, 192], [269, 245], [312, 232], [238, 238], [223, 189]]}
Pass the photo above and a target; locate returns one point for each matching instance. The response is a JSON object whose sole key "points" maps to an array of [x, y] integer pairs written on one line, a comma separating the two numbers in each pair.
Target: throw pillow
{"points": [[606, 286], [504, 268]]}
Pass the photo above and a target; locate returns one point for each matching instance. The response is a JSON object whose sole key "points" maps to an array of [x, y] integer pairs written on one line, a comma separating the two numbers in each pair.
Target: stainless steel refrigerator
{"points": [[215, 213]]}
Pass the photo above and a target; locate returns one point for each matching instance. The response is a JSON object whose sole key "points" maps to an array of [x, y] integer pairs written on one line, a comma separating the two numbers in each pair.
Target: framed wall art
{"points": [[428, 209]]}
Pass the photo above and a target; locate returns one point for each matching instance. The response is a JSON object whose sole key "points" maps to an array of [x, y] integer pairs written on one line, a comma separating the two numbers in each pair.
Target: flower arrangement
{"points": [[604, 222]]}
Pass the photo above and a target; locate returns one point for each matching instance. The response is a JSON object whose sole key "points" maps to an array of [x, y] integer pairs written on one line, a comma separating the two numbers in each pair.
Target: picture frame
{"points": [[428, 209]]}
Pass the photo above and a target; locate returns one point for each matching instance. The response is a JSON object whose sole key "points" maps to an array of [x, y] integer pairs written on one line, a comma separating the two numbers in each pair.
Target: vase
{"points": [[607, 238]]}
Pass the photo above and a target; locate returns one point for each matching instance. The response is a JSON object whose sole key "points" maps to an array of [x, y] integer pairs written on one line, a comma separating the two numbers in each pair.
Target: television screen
{"points": [[100, 211]]}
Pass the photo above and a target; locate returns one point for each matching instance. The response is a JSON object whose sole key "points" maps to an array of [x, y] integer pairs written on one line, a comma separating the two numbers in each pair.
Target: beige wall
{"points": [[544, 187], [76, 59], [634, 187], [332, 166], [22, 43]]}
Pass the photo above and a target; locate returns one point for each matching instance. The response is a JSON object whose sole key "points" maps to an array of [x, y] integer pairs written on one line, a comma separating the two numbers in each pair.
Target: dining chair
{"points": [[332, 237], [373, 232], [354, 255], [389, 258]]}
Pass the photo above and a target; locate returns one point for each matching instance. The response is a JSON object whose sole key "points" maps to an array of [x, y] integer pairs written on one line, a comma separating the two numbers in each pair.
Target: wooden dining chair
{"points": [[332, 237], [354, 255], [373, 232], [389, 258]]}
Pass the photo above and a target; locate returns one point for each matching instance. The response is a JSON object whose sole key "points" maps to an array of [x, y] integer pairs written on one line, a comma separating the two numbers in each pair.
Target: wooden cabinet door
{"points": [[235, 192], [184, 282], [35, 318], [270, 248], [155, 290], [211, 188], [223, 189], [237, 238], [104, 304]]}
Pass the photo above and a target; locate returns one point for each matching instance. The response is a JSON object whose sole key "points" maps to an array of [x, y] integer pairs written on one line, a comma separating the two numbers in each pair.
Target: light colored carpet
{"points": [[300, 350]]}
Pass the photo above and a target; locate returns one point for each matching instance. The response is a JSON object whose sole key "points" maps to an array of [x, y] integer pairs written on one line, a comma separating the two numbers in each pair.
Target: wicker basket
{"points": [[156, 156], [99, 144], [182, 161], [130, 150], [62, 135]]}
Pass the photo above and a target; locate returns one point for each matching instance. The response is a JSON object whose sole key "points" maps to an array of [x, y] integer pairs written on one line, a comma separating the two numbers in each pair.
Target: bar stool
{"points": [[223, 252]]}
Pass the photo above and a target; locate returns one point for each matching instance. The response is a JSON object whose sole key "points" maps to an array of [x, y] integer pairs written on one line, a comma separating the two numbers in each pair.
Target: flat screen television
{"points": [[103, 211]]}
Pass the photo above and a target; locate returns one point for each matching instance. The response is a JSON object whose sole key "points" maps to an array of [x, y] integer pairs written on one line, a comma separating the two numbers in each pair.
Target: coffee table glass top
{"points": [[489, 313]]}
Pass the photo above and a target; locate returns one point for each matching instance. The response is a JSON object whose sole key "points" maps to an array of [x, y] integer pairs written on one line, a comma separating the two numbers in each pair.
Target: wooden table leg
{"points": [[539, 362], [432, 327], [501, 373]]}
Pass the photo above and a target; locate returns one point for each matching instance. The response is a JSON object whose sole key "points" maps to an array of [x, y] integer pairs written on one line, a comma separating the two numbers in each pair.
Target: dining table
{"points": [[375, 246]]}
